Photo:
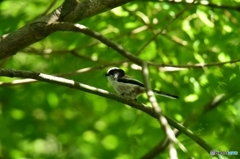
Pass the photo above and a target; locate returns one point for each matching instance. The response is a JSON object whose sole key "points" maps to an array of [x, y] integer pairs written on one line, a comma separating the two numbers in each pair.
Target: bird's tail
{"points": [[165, 94]]}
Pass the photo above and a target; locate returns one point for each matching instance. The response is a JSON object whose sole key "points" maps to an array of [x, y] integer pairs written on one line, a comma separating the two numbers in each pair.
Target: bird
{"points": [[128, 87]]}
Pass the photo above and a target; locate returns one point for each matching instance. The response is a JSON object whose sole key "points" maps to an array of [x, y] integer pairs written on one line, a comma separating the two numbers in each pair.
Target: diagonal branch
{"points": [[213, 104], [80, 71], [103, 93], [49, 7], [130, 56], [162, 120], [83, 29], [70, 11]]}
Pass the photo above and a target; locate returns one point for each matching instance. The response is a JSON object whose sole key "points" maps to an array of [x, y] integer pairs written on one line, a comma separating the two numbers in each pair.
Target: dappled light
{"points": [[57, 100]]}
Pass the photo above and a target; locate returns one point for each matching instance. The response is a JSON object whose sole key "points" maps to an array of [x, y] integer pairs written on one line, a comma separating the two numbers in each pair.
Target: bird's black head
{"points": [[115, 72]]}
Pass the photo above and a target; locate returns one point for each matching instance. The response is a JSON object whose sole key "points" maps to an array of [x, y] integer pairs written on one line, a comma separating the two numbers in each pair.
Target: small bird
{"points": [[128, 87]]}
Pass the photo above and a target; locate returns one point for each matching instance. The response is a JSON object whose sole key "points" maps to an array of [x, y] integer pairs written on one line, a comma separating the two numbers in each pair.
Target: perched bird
{"points": [[128, 87]]}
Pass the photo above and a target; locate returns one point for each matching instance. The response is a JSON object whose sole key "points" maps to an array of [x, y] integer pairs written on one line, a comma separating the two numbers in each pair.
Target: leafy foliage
{"points": [[42, 120]]}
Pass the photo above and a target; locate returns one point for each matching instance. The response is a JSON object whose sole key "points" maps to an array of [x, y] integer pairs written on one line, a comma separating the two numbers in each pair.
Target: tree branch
{"points": [[162, 120], [49, 7], [88, 8], [213, 104], [130, 56], [70, 11], [203, 3], [103, 93], [83, 29], [80, 71], [11, 43]]}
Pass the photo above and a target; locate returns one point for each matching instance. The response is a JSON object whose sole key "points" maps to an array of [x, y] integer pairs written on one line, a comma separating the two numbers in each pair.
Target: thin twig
{"points": [[49, 7], [164, 28], [162, 120], [48, 51], [203, 3], [199, 65], [80, 28], [213, 104]]}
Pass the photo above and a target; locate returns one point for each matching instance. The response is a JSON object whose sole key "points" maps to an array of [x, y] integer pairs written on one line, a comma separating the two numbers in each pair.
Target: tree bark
{"points": [[70, 11]]}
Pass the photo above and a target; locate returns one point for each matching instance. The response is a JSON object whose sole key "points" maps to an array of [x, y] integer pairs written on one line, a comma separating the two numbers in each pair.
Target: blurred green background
{"points": [[43, 120]]}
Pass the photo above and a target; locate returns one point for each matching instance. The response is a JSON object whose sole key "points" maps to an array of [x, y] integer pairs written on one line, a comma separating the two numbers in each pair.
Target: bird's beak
{"points": [[106, 74]]}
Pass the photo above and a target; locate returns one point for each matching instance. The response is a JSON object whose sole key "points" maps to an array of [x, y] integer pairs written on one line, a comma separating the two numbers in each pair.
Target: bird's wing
{"points": [[138, 83], [131, 81]]}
